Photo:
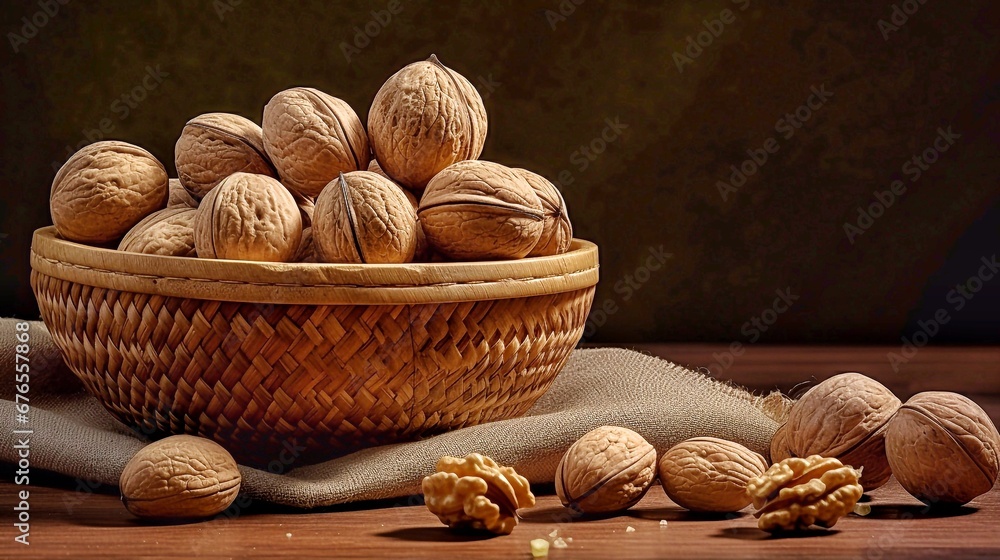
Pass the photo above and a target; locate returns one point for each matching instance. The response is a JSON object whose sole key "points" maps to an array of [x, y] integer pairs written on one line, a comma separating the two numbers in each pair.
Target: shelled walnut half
{"points": [[475, 492], [800, 492]]}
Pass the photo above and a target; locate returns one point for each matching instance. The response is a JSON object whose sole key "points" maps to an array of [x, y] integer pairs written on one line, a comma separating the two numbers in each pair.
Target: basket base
{"points": [[283, 385]]}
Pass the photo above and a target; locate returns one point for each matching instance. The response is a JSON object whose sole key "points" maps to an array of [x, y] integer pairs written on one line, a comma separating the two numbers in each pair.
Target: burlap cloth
{"points": [[664, 402]]}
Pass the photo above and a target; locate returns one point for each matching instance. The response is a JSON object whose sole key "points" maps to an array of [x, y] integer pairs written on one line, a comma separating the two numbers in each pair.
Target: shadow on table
{"points": [[755, 534], [435, 534], [680, 514], [917, 511]]}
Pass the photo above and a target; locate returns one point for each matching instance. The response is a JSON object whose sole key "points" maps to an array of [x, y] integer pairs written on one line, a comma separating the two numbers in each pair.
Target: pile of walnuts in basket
{"points": [[311, 184]]}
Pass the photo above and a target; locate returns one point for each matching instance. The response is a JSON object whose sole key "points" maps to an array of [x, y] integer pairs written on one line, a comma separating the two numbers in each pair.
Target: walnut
{"points": [[248, 217], [476, 493], [557, 231], [479, 210], [844, 417], [374, 167], [424, 118], [312, 137], [180, 477], [943, 448], [307, 207], [709, 474], [800, 492], [167, 232], [306, 253], [179, 197], [213, 146], [104, 189], [422, 252], [362, 217], [609, 469], [779, 445]]}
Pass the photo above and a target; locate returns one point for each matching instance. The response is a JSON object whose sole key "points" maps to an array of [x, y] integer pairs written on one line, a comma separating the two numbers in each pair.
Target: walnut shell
{"points": [[180, 477], [475, 492], [423, 251], [179, 197], [248, 217], [104, 189], [478, 210], [167, 232], [557, 231], [845, 417], [943, 448], [362, 217], [213, 146], [798, 493], [779, 445], [609, 469], [312, 137], [709, 474], [306, 253], [424, 118]]}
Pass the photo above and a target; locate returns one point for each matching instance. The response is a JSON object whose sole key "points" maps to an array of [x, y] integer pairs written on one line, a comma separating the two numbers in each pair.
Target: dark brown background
{"points": [[549, 85]]}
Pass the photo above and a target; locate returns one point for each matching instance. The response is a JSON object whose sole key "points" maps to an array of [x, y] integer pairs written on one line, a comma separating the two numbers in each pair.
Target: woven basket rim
{"points": [[311, 283]]}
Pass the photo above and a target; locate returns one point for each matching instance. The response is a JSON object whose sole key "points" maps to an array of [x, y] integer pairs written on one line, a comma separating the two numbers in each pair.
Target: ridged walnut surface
{"points": [[332, 378]]}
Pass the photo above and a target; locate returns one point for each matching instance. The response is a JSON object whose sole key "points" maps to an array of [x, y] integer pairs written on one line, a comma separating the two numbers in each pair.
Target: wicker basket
{"points": [[266, 357]]}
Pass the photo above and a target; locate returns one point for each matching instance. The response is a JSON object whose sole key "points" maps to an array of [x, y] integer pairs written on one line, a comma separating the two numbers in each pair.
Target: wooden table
{"points": [[68, 523]]}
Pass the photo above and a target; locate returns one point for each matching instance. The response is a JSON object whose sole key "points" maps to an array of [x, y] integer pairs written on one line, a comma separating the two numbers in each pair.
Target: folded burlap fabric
{"points": [[666, 403]]}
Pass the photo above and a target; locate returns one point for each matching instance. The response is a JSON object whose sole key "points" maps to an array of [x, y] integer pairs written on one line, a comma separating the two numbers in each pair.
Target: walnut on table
{"points": [[800, 492], [475, 492]]}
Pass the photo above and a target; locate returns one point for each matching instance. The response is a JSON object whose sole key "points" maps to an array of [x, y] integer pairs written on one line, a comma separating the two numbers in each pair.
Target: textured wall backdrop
{"points": [[655, 119]]}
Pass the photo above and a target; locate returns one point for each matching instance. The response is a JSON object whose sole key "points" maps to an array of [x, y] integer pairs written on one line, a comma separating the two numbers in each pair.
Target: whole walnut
{"points": [[104, 189], [423, 119], [709, 474], [180, 477], [248, 217], [362, 217], [423, 252], [943, 448], [306, 253], [213, 146], [179, 197], [312, 137], [479, 210], [557, 231], [845, 417], [422, 249], [167, 232], [609, 469]]}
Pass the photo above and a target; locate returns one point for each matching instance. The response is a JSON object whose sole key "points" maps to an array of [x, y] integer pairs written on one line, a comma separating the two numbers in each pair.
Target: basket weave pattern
{"points": [[331, 378]]}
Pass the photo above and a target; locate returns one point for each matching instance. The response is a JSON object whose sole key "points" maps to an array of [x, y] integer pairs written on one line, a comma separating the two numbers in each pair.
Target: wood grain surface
{"points": [[70, 524], [70, 519]]}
